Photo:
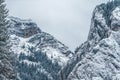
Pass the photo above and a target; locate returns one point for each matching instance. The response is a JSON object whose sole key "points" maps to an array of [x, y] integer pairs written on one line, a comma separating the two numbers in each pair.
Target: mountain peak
{"points": [[99, 28], [99, 57], [23, 28], [106, 18], [39, 53]]}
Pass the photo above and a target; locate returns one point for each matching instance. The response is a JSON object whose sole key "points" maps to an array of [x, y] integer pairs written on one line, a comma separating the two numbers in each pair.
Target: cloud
{"points": [[67, 20]]}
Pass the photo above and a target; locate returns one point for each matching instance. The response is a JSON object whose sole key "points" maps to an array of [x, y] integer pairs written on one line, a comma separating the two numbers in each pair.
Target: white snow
{"points": [[22, 26], [116, 77], [17, 44], [97, 78], [104, 61], [55, 55], [116, 13], [99, 17], [30, 62]]}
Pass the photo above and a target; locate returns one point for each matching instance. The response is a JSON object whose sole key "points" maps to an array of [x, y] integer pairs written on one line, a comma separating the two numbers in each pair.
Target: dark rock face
{"points": [[99, 28], [23, 28]]}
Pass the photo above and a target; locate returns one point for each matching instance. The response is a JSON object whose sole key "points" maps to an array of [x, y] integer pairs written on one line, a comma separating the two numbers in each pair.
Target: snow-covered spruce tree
{"points": [[6, 69]]}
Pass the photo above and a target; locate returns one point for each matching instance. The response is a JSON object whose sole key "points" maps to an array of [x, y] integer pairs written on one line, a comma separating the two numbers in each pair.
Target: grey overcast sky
{"points": [[67, 20]]}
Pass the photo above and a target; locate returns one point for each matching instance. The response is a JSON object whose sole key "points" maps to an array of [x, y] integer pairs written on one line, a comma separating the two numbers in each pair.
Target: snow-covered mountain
{"points": [[39, 56], [99, 57]]}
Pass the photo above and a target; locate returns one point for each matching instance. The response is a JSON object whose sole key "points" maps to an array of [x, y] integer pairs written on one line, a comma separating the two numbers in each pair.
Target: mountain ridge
{"points": [[36, 51], [98, 57], [39, 56]]}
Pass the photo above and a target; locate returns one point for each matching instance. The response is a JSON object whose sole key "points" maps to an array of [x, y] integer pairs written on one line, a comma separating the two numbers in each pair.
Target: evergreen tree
{"points": [[6, 69]]}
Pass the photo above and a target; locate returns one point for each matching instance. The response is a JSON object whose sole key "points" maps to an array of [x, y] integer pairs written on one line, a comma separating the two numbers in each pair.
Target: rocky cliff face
{"points": [[39, 56], [99, 57], [23, 28]]}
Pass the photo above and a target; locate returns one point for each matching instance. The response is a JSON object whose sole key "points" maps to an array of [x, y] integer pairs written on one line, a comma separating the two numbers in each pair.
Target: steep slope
{"points": [[99, 57], [39, 56]]}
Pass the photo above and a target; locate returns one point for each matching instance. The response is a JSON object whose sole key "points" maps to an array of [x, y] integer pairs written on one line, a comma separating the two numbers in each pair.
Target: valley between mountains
{"points": [[37, 55]]}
